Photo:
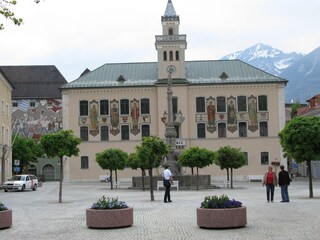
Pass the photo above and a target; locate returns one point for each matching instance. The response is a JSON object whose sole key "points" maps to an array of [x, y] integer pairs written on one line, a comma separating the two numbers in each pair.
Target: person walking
{"points": [[284, 182], [270, 181], [167, 181]]}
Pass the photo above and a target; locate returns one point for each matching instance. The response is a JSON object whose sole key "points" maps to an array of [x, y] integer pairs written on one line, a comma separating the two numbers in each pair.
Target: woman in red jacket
{"points": [[270, 181]]}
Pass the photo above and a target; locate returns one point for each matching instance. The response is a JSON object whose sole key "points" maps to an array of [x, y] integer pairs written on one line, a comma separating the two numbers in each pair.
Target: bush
{"points": [[220, 202], [3, 207]]}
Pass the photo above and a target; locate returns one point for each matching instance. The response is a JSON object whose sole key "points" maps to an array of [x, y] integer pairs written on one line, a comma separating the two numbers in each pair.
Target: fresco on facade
{"points": [[211, 114], [94, 123], [114, 117], [253, 117], [232, 116], [45, 116], [135, 116]]}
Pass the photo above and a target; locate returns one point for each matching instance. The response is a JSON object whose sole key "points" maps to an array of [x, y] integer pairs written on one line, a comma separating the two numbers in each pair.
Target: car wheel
{"points": [[23, 188], [6, 190], [35, 187]]}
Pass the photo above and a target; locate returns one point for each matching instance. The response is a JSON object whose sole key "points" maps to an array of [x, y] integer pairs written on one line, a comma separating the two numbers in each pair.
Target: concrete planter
{"points": [[110, 218], [6, 218], [222, 218]]}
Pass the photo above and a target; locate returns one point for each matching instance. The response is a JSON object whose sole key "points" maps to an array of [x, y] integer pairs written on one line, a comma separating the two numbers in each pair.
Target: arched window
{"points": [[170, 31], [164, 56], [171, 56], [177, 55]]}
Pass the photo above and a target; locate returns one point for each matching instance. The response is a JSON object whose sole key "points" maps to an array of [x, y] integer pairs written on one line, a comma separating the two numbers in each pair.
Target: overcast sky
{"points": [[77, 34]]}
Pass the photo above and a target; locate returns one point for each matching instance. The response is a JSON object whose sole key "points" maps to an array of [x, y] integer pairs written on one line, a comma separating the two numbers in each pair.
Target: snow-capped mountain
{"points": [[267, 58]]}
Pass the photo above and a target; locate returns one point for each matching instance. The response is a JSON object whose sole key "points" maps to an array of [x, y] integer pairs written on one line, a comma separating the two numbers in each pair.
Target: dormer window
{"points": [[121, 79], [224, 76], [170, 31]]}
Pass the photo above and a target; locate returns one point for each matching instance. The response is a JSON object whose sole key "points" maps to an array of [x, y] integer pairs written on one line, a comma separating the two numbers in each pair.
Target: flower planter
{"points": [[222, 218], [6, 218], [109, 218]]}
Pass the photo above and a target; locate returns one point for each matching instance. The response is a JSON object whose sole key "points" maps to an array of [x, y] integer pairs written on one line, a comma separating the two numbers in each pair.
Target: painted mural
{"points": [[32, 118], [232, 116], [211, 113]]}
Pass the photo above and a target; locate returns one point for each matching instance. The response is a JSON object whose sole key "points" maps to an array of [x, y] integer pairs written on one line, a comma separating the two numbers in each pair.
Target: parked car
{"points": [[21, 183]]}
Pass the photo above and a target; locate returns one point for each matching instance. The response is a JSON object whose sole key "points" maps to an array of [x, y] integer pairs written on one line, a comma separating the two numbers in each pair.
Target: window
{"points": [[145, 130], [32, 104], [145, 106], [124, 106], [242, 129], [222, 130], [104, 107], [15, 104], [221, 104], [124, 132], [104, 133], [245, 157], [2, 106], [170, 31], [242, 103], [165, 56], [84, 162], [263, 103], [200, 105], [175, 105], [8, 136], [84, 106], [201, 127], [177, 55], [7, 106], [171, 55], [3, 134], [264, 158], [263, 129], [84, 133]]}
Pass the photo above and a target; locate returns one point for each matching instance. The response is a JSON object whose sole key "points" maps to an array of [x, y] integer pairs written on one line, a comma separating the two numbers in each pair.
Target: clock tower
{"points": [[171, 45]]}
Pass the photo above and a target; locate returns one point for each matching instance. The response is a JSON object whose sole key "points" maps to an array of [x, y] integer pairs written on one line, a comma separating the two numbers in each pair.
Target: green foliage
{"points": [[26, 150], [3, 207], [220, 202], [300, 138], [62, 143], [7, 13], [133, 161], [196, 157], [112, 159], [151, 151], [105, 203], [228, 157]]}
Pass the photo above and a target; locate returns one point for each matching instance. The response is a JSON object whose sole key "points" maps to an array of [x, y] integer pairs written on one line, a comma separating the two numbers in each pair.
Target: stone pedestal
{"points": [[6, 218]]}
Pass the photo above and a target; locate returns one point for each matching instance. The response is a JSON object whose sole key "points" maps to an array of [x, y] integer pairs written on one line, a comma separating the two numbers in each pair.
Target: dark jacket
{"points": [[284, 178]]}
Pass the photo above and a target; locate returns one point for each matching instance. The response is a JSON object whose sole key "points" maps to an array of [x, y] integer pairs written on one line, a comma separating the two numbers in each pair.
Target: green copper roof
{"points": [[197, 72]]}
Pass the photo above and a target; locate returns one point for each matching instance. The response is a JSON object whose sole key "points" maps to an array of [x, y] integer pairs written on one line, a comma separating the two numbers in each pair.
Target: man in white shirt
{"points": [[167, 181]]}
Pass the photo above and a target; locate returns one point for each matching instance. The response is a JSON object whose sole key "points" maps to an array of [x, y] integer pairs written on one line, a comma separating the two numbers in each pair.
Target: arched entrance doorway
{"points": [[48, 172]]}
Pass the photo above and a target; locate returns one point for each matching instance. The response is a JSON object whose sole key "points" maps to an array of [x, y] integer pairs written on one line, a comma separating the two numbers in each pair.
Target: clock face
{"points": [[171, 69]]}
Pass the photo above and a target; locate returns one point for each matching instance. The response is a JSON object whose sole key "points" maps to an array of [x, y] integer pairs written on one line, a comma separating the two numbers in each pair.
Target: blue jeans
{"points": [[284, 193], [270, 191]]}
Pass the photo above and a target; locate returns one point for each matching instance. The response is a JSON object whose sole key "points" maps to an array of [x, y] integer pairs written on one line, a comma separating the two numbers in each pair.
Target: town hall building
{"points": [[215, 103]]}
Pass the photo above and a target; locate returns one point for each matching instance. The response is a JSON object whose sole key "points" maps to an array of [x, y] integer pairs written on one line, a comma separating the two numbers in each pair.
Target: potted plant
{"points": [[109, 213], [5, 216], [221, 212]]}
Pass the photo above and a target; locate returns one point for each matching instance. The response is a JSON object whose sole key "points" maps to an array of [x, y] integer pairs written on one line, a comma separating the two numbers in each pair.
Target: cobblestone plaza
{"points": [[38, 215]]}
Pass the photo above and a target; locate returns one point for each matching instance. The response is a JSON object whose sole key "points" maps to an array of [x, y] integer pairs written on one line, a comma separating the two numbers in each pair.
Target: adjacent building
{"points": [[36, 109], [6, 88], [215, 103]]}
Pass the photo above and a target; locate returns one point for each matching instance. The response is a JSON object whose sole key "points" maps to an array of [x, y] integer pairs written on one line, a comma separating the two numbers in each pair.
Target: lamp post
{"points": [[170, 131], [3, 167]]}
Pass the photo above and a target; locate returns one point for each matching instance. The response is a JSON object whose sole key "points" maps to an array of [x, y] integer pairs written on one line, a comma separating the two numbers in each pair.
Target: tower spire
{"points": [[170, 12]]}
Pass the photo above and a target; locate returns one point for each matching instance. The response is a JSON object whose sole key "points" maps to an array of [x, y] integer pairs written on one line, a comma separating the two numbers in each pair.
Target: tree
{"points": [[150, 153], [112, 159], [60, 144], [300, 140], [134, 162], [196, 157], [294, 109], [26, 150], [230, 158]]}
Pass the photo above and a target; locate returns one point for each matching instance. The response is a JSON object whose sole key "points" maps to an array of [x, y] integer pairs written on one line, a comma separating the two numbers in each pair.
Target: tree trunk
{"points": [[116, 178], [61, 179], [231, 181], [197, 179], [310, 179], [228, 178], [151, 185], [143, 173], [111, 179], [191, 171]]}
